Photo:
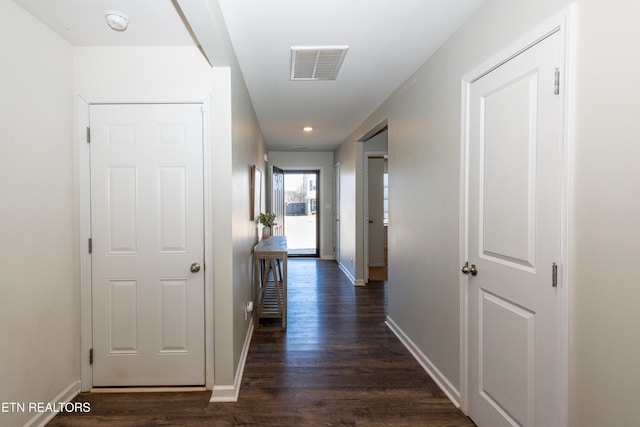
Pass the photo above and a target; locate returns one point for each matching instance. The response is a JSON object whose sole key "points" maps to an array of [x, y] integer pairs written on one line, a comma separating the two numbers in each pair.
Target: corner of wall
{"points": [[230, 393], [438, 377]]}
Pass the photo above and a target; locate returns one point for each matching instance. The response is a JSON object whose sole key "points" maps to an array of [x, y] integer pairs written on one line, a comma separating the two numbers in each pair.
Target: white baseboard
{"points": [[354, 282], [327, 258], [224, 393], [438, 377], [347, 273], [65, 396], [154, 389], [230, 393]]}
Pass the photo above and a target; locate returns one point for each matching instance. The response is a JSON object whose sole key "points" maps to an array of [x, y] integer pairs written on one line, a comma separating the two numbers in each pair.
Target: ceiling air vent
{"points": [[316, 62]]}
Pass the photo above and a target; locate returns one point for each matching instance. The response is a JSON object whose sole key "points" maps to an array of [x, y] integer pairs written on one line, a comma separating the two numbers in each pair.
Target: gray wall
{"points": [[248, 149], [346, 156], [424, 157]]}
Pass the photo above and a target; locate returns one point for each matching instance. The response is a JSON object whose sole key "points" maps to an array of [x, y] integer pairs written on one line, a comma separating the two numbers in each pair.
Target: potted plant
{"points": [[267, 219]]}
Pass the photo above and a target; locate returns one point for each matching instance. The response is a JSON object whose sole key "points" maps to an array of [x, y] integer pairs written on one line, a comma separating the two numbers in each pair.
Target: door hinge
{"points": [[556, 84], [554, 275], [90, 245], [88, 134], [90, 356]]}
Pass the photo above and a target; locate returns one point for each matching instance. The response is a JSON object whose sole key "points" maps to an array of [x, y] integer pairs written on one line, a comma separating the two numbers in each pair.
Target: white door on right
{"points": [[514, 241]]}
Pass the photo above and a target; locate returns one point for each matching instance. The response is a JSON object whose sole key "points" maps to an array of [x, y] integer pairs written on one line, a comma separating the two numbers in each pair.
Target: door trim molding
{"points": [[563, 23], [84, 212], [336, 212], [84, 182]]}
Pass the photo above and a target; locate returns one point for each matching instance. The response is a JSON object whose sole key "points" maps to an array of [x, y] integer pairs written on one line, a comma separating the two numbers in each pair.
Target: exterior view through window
{"points": [[301, 212]]}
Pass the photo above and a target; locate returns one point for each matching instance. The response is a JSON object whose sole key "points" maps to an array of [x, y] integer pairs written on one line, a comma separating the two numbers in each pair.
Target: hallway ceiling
{"points": [[82, 22], [388, 40]]}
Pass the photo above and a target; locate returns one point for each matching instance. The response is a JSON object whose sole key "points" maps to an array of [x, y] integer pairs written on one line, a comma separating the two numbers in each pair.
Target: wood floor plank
{"points": [[337, 364]]}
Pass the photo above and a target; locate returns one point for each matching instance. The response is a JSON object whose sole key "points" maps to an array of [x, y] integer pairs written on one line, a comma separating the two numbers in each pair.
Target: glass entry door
{"points": [[301, 220]]}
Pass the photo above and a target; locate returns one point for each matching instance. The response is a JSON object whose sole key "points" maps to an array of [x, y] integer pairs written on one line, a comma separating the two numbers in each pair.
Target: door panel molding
{"points": [[562, 23]]}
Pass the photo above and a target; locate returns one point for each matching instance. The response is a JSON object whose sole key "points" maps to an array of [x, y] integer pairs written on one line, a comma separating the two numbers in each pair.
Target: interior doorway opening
{"points": [[302, 224], [378, 218]]}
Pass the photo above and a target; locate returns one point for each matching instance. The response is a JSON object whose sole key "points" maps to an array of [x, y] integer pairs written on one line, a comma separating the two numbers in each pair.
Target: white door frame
{"points": [[84, 181], [362, 173], [562, 23]]}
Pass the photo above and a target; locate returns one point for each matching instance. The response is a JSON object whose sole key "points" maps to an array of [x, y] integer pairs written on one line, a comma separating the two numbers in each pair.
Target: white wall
{"points": [[312, 160], [424, 140], [605, 341], [39, 282], [183, 74], [40, 307], [141, 73]]}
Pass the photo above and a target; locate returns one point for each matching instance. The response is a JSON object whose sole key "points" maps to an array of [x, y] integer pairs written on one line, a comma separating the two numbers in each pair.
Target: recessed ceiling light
{"points": [[307, 129], [117, 20]]}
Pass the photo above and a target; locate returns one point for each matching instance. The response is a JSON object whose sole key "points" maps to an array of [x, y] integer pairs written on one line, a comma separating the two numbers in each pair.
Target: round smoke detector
{"points": [[117, 20]]}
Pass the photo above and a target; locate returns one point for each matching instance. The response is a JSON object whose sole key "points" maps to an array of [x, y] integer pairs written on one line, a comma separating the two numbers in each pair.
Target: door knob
{"points": [[195, 267], [466, 269]]}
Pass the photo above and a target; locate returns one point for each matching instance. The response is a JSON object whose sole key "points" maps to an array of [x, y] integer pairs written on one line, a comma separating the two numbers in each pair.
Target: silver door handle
{"points": [[195, 267], [466, 269]]}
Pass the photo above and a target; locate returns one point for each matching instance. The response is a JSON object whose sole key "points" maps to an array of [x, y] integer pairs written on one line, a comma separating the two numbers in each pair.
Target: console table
{"points": [[270, 279]]}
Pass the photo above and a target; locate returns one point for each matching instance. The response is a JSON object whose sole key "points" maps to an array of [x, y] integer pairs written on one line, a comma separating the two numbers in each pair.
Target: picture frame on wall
{"points": [[256, 192]]}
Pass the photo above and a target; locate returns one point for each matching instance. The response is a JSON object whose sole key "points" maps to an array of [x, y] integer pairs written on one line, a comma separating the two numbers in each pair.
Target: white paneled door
{"points": [[147, 245], [514, 241]]}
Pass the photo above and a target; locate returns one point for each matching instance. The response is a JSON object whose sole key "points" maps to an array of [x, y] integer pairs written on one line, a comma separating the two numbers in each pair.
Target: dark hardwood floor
{"points": [[336, 365]]}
